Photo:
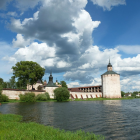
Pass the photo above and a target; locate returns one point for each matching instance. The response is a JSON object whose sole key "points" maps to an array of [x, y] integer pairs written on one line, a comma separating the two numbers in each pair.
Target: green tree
{"points": [[63, 83], [27, 72], [3, 98], [122, 93], [4, 85], [1, 81], [134, 93], [11, 83], [1, 89], [61, 94]]}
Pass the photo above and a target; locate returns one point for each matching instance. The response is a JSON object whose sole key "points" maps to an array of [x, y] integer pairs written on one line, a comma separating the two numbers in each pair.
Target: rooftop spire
{"points": [[109, 66]]}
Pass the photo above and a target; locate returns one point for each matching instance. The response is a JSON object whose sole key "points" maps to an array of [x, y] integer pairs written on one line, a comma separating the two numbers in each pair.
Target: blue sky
{"points": [[73, 38]]}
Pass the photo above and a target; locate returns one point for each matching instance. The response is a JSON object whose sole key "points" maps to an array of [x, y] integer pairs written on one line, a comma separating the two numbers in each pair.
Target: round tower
{"points": [[110, 83]]}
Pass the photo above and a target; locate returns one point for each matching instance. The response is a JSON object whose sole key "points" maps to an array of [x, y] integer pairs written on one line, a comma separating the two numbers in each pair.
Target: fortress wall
{"points": [[111, 86], [14, 94], [85, 94]]}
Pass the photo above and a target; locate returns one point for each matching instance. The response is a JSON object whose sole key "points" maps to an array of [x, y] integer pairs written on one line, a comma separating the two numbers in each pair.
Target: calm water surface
{"points": [[115, 119]]}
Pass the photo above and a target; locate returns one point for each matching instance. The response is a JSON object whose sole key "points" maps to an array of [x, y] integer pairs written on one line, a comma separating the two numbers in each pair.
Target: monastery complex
{"points": [[110, 88]]}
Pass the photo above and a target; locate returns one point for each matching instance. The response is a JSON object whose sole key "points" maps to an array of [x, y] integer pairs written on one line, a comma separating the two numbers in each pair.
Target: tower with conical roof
{"points": [[50, 83], [110, 83]]}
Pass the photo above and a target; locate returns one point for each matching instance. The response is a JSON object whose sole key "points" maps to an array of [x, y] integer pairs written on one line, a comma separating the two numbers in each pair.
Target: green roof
{"points": [[51, 85], [110, 72]]}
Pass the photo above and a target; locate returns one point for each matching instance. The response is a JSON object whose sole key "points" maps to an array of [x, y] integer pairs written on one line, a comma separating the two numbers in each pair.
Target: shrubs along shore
{"points": [[30, 97], [60, 94], [54, 100], [11, 128]]}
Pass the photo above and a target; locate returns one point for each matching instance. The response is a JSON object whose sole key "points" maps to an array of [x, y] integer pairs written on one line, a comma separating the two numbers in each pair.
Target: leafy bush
{"points": [[1, 89], [47, 95], [122, 93], [39, 87], [43, 97], [61, 94], [27, 97], [3, 98]]}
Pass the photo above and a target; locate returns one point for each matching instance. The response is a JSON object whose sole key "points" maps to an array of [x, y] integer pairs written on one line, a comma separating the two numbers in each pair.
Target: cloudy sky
{"points": [[73, 38]]}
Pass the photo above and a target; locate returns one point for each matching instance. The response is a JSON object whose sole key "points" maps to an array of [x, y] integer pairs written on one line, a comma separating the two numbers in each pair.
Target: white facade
{"points": [[111, 86], [50, 91], [111, 83], [35, 86], [85, 95]]}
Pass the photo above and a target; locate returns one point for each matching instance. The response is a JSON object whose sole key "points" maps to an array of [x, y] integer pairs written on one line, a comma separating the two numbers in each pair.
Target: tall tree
{"points": [[28, 72], [63, 83], [12, 82], [122, 93], [1, 81]]}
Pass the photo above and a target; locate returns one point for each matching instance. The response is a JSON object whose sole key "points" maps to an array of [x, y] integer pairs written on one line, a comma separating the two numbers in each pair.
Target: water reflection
{"points": [[112, 102], [115, 119]]}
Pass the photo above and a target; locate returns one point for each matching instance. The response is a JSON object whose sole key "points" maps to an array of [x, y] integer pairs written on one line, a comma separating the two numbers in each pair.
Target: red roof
{"points": [[77, 89]]}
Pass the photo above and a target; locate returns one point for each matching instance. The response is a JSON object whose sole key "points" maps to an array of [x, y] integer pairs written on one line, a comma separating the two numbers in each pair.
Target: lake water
{"points": [[114, 119]]}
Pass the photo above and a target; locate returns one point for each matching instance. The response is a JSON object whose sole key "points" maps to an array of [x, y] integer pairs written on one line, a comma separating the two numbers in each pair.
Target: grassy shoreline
{"points": [[89, 99], [102, 99], [12, 128]]}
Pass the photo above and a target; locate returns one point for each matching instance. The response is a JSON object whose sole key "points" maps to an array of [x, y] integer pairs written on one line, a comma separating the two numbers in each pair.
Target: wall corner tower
{"points": [[110, 83]]}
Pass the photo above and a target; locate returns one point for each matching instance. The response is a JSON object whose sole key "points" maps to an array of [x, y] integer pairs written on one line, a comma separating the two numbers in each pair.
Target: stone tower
{"points": [[50, 83], [110, 83]]}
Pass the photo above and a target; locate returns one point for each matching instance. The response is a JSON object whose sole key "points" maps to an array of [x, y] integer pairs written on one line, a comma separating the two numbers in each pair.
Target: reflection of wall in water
{"points": [[112, 113]]}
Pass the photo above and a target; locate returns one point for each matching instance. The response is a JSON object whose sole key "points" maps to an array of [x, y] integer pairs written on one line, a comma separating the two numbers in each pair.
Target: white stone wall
{"points": [[85, 94], [111, 86], [29, 87], [13, 94], [50, 91]]}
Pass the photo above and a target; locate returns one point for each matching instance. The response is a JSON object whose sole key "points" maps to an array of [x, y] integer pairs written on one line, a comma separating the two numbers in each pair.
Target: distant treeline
{"points": [[13, 84], [133, 94]]}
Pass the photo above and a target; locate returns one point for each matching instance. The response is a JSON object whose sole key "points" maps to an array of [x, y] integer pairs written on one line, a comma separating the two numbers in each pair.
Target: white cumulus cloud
{"points": [[129, 49], [20, 42], [108, 4]]}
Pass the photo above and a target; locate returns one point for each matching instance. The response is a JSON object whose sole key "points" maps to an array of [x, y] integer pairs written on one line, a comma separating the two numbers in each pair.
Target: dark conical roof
{"points": [[109, 64], [110, 71], [50, 83]]}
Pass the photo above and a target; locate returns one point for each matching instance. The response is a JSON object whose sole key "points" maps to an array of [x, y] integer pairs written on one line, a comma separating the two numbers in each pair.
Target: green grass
{"points": [[89, 99], [11, 128], [101, 99], [18, 101]]}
